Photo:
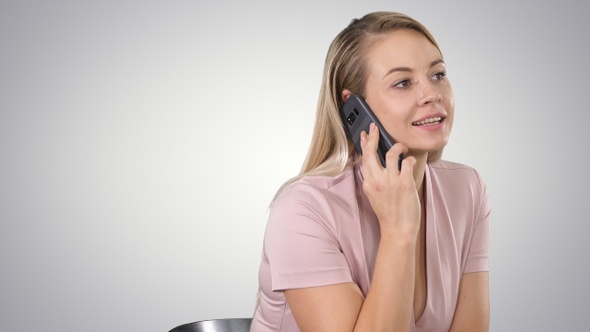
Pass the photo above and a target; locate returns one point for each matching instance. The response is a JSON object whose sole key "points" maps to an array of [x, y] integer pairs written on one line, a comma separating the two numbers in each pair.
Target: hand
{"points": [[391, 192]]}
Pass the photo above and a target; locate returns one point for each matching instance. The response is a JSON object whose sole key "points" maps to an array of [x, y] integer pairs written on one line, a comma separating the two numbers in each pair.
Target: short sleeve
{"points": [[301, 243], [478, 256]]}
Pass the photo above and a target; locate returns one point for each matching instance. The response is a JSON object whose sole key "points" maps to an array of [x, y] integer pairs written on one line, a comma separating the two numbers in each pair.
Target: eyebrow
{"points": [[408, 69]]}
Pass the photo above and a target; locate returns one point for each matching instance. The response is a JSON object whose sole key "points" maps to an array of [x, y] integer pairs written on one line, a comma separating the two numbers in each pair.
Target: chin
{"points": [[426, 148]]}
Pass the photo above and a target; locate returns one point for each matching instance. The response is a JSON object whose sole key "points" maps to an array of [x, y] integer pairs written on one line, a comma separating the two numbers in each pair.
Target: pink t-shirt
{"points": [[323, 231]]}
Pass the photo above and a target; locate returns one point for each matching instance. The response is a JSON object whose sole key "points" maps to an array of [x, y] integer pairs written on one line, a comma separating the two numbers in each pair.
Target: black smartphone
{"points": [[357, 117]]}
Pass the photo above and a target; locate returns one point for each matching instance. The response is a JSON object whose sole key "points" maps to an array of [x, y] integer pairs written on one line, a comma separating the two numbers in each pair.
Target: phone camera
{"points": [[351, 118]]}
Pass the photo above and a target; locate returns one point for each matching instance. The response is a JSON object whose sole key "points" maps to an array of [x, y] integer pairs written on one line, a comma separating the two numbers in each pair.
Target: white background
{"points": [[142, 141]]}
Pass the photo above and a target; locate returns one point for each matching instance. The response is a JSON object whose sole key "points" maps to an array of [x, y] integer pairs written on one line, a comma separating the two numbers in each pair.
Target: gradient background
{"points": [[142, 141]]}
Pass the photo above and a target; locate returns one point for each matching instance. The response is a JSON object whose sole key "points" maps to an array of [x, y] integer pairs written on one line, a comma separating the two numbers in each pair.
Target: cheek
{"points": [[449, 105], [449, 98], [399, 126], [394, 112], [448, 101], [450, 120], [397, 119]]}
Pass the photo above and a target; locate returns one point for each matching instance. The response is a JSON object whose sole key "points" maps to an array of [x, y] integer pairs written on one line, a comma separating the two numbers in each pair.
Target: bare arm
{"points": [[341, 307], [388, 305], [473, 305]]}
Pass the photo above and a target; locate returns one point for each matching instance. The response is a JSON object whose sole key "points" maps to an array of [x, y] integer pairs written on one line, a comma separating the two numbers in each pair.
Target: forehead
{"points": [[405, 48]]}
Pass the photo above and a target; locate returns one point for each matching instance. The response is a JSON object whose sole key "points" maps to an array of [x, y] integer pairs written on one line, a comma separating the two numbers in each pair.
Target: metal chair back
{"points": [[216, 325]]}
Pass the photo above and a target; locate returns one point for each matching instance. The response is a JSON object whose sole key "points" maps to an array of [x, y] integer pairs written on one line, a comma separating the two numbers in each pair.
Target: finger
{"points": [[392, 156], [363, 140], [371, 142], [370, 136], [408, 167]]}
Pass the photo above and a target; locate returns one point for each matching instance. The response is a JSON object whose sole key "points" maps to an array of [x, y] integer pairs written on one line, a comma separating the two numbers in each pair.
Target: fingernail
{"points": [[372, 127]]}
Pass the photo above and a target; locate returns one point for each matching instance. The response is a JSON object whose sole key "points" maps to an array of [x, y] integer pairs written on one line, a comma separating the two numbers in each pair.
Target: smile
{"points": [[429, 121]]}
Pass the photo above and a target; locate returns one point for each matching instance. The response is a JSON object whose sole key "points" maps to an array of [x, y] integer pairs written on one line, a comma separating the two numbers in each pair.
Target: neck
{"points": [[419, 170]]}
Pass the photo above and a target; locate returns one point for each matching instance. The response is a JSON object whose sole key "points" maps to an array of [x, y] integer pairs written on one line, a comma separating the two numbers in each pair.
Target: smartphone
{"points": [[357, 117]]}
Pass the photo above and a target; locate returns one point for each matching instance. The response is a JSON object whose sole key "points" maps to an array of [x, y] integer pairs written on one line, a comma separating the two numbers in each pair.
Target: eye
{"points": [[405, 83], [440, 76]]}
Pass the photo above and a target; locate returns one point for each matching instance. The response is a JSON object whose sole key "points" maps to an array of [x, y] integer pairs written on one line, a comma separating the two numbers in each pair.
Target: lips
{"points": [[429, 121]]}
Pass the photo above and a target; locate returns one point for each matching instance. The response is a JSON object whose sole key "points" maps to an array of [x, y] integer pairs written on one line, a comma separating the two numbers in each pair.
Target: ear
{"points": [[345, 94]]}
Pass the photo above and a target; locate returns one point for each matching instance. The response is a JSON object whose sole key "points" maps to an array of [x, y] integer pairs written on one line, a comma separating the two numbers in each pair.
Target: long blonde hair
{"points": [[346, 68]]}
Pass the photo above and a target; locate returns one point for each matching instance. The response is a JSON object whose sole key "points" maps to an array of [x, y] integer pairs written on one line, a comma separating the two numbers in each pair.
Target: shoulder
{"points": [[317, 189], [315, 200], [460, 186], [457, 180], [446, 165], [455, 173]]}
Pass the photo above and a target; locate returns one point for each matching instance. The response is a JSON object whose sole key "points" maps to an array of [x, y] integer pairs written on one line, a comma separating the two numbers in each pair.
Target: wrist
{"points": [[400, 238]]}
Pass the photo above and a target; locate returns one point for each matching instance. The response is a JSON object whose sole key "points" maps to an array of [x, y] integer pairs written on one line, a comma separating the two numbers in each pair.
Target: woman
{"points": [[351, 245]]}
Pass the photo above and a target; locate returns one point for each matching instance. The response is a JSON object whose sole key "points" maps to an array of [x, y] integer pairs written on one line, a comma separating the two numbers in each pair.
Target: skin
{"points": [[406, 83]]}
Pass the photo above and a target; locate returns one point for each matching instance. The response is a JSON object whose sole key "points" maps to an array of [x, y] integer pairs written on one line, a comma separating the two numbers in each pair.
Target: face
{"points": [[409, 92]]}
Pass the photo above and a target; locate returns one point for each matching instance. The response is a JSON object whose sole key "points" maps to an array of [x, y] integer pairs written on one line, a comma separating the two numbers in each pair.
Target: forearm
{"points": [[473, 305], [388, 305]]}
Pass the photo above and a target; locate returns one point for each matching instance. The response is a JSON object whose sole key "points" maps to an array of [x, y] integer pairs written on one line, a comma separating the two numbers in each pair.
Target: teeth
{"points": [[436, 119]]}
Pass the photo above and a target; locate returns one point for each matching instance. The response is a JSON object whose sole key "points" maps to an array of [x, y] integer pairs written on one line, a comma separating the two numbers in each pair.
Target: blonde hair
{"points": [[346, 68]]}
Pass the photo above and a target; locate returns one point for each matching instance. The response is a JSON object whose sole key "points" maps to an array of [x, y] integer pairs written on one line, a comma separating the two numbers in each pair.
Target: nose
{"points": [[430, 94]]}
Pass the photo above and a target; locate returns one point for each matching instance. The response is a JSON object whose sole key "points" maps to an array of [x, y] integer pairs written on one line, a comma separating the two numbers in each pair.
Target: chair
{"points": [[216, 325]]}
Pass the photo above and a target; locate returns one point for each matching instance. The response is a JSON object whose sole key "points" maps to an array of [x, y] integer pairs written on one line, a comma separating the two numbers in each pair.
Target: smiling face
{"points": [[408, 90]]}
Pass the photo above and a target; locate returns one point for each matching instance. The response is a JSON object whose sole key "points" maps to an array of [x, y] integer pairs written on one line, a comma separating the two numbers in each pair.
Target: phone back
{"points": [[357, 117]]}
